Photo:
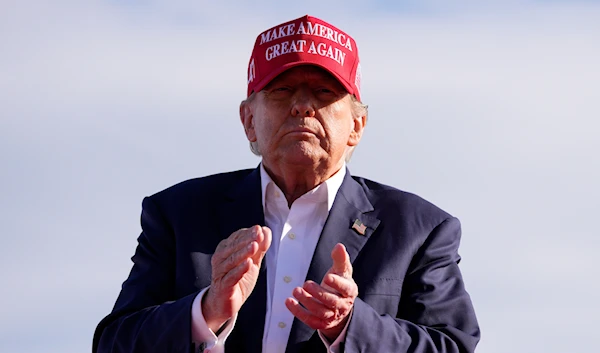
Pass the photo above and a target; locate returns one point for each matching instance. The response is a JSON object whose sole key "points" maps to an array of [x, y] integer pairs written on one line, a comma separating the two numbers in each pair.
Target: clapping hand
{"points": [[326, 307], [235, 267]]}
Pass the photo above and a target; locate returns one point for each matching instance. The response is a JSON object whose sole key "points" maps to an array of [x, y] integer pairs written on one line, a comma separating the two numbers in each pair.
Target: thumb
{"points": [[341, 261]]}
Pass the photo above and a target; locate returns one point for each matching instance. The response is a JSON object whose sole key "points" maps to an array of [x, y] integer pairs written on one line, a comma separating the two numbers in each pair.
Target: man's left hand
{"points": [[326, 307]]}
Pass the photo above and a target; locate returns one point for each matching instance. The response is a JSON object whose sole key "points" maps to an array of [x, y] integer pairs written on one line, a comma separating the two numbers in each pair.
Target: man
{"points": [[296, 255]]}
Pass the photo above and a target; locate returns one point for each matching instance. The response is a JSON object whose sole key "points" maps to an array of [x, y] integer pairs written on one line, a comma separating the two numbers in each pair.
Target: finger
{"points": [[225, 246], [325, 296], [304, 315], [313, 306], [243, 236], [341, 261], [235, 275], [236, 241], [346, 287], [234, 259], [264, 242]]}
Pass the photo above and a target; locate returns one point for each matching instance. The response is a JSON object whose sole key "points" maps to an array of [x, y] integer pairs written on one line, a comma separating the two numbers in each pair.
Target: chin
{"points": [[303, 154]]}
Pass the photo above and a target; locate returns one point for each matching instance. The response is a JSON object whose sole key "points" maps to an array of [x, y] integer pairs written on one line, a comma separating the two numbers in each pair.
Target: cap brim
{"points": [[265, 81]]}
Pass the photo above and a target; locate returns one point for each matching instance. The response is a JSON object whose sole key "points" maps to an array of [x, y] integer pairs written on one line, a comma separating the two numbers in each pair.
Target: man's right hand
{"points": [[235, 267]]}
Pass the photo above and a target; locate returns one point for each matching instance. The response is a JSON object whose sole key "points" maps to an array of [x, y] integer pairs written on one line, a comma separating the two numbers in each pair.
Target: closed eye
{"points": [[327, 93], [325, 90], [279, 92]]}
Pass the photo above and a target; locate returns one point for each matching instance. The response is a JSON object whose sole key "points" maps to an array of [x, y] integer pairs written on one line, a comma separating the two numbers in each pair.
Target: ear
{"points": [[247, 118], [358, 126]]}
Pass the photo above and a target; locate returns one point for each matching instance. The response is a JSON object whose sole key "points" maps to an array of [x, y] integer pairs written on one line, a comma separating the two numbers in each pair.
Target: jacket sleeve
{"points": [[147, 317], [435, 314]]}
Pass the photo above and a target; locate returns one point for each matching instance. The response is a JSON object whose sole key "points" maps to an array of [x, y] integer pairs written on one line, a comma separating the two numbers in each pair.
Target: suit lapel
{"points": [[243, 209], [351, 203]]}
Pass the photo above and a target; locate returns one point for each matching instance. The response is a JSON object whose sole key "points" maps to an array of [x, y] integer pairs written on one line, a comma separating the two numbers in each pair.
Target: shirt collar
{"points": [[331, 186]]}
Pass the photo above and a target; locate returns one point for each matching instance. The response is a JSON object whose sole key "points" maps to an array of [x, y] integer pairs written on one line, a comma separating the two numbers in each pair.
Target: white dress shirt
{"points": [[296, 231]]}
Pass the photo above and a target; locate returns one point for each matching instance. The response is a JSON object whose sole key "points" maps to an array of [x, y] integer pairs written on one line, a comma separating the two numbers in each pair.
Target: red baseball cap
{"points": [[304, 41]]}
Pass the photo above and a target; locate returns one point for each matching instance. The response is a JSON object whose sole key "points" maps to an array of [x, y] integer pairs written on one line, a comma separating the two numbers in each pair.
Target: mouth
{"points": [[301, 131]]}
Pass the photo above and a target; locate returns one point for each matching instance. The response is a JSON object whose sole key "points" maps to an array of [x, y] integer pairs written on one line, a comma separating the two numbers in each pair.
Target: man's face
{"points": [[303, 117]]}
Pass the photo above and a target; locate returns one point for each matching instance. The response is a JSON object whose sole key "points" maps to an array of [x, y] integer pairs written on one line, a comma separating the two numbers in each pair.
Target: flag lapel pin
{"points": [[359, 227]]}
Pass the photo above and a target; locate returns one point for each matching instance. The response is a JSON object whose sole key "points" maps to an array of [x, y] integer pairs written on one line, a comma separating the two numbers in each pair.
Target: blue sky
{"points": [[488, 109]]}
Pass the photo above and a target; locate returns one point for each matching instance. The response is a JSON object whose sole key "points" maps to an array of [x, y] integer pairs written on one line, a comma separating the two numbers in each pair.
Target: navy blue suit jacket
{"points": [[411, 294]]}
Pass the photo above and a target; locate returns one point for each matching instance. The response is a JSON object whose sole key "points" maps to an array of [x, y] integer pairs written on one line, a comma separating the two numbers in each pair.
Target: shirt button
{"points": [[287, 279], [292, 236], [277, 194], [281, 324]]}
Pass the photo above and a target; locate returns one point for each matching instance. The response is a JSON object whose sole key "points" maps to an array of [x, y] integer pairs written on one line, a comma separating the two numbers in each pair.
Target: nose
{"points": [[302, 104]]}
